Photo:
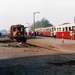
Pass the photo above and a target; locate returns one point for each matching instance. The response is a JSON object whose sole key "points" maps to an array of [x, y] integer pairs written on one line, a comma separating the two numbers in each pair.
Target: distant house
{"points": [[3, 32]]}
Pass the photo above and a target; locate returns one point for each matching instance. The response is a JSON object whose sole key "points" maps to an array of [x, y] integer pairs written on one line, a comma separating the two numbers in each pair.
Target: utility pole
{"points": [[34, 22]]}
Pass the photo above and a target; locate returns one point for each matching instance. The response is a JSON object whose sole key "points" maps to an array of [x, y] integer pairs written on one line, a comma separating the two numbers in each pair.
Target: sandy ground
{"points": [[29, 59], [9, 49]]}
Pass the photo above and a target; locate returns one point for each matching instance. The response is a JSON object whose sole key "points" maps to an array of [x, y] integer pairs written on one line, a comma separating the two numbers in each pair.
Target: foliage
{"points": [[40, 24]]}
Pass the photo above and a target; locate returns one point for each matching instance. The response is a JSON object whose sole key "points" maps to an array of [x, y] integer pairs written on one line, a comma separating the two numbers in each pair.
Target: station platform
{"points": [[53, 41]]}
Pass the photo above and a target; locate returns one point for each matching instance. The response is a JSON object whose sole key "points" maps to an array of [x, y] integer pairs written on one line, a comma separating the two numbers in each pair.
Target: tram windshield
{"points": [[20, 29]]}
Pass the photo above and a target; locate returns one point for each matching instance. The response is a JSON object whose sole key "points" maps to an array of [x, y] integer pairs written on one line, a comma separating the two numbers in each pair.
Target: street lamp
{"points": [[34, 22]]}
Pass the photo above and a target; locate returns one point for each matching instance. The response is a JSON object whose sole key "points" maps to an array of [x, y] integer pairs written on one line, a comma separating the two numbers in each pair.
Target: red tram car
{"points": [[62, 31], [17, 32]]}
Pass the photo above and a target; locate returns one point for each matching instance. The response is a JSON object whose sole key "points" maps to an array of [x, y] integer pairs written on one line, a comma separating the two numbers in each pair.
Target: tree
{"points": [[40, 24]]}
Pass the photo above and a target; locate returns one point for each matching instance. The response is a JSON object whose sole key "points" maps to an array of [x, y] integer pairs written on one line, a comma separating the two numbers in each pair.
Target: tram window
{"points": [[19, 28], [69, 28], [14, 29], [73, 28], [63, 29], [47, 29], [52, 29], [66, 29], [57, 29]]}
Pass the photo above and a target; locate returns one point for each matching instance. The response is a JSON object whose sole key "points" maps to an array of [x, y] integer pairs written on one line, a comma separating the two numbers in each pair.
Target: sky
{"points": [[21, 12]]}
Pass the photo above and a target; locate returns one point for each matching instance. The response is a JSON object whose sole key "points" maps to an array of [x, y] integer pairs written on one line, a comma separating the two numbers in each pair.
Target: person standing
{"points": [[51, 33], [71, 35], [54, 34]]}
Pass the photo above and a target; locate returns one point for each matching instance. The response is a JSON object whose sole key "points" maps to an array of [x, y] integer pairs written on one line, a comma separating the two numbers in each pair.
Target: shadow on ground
{"points": [[6, 41], [38, 65], [37, 37]]}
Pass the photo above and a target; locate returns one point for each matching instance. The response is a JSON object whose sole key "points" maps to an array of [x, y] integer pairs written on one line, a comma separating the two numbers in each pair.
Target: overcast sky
{"points": [[21, 11]]}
